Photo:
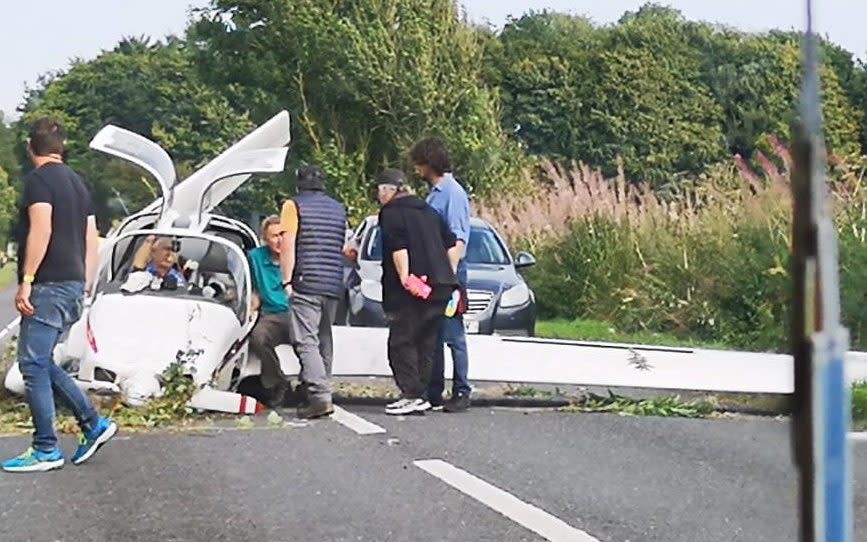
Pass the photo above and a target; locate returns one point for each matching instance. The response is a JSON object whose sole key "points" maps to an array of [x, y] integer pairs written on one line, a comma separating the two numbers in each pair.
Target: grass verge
{"points": [[594, 330], [7, 275]]}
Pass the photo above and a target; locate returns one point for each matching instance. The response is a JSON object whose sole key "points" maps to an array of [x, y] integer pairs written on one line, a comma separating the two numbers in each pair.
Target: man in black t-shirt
{"points": [[57, 256]]}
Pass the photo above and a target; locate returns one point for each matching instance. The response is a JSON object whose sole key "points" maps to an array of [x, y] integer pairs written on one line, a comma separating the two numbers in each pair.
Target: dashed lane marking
{"points": [[526, 515], [355, 422]]}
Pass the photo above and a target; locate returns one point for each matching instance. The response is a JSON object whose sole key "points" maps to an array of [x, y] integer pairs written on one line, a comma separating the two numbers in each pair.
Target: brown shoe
{"points": [[316, 410]]}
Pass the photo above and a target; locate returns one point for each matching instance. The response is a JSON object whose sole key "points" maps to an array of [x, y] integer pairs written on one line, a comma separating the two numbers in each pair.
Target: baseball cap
{"points": [[391, 176]]}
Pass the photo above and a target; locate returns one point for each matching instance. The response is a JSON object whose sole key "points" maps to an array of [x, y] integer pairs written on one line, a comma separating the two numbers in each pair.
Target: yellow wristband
{"points": [[29, 279]]}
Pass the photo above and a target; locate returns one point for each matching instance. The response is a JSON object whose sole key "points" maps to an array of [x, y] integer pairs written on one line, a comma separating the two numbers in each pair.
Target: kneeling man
{"points": [[273, 304]]}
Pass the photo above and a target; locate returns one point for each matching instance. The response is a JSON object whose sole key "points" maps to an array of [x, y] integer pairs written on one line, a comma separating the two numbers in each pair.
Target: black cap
{"points": [[392, 176], [310, 178]]}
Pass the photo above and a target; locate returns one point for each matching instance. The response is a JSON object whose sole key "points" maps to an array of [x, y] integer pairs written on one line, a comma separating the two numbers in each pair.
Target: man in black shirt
{"points": [[57, 258], [417, 244]]}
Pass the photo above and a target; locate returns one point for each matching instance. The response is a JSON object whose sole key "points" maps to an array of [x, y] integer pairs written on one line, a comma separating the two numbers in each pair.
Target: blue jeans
{"points": [[452, 333], [58, 305]]}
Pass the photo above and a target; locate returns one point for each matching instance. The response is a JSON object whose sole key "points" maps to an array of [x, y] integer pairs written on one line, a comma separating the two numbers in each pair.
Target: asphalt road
{"points": [[615, 478]]}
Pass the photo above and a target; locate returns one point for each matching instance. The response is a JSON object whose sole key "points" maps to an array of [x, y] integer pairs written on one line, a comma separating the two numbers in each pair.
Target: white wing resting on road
{"points": [[140, 151]]}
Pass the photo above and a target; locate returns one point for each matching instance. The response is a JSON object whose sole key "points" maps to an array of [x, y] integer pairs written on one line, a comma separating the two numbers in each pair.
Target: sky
{"points": [[83, 28]]}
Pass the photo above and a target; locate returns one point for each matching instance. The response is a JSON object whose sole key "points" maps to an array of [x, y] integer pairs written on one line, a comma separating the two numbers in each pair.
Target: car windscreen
{"points": [[483, 248]]}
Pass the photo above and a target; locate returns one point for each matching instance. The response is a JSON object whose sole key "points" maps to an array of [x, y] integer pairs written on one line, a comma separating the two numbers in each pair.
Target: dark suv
{"points": [[500, 301]]}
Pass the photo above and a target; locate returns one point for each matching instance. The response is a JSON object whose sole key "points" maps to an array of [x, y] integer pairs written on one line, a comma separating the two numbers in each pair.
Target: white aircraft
{"points": [[133, 328]]}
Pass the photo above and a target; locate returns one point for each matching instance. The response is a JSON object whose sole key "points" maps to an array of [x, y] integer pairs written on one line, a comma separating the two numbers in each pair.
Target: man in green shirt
{"points": [[273, 304]]}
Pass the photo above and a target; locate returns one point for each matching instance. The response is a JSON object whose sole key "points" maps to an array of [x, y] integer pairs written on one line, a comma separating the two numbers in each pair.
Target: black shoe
{"points": [[459, 403], [436, 404], [276, 397], [297, 397]]}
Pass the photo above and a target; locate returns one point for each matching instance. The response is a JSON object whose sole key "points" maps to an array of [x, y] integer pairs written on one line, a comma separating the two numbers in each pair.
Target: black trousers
{"points": [[412, 337]]}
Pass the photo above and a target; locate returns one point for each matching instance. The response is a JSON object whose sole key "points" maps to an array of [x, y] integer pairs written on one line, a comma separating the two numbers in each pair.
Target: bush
{"points": [[859, 404], [709, 263]]}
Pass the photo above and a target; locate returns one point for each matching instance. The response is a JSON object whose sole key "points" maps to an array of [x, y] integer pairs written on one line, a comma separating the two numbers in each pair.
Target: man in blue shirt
{"points": [[270, 299], [433, 163]]}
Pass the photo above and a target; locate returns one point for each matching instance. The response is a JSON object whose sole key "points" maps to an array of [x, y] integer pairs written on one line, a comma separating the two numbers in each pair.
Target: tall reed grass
{"points": [[708, 261]]}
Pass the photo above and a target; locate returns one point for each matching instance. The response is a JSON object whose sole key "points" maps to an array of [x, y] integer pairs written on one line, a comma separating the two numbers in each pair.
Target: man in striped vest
{"points": [[311, 260]]}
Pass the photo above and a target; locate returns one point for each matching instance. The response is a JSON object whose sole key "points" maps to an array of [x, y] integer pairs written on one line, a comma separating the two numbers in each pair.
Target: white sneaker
{"points": [[400, 403], [411, 406]]}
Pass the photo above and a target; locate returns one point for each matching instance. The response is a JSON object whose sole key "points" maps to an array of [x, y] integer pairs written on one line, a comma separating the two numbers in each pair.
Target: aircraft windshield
{"points": [[177, 267]]}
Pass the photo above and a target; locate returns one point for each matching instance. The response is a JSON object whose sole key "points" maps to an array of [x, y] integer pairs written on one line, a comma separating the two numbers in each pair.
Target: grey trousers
{"points": [[311, 318], [271, 330]]}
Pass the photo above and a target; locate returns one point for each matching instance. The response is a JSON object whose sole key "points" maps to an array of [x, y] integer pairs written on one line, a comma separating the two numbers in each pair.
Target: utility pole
{"points": [[822, 409]]}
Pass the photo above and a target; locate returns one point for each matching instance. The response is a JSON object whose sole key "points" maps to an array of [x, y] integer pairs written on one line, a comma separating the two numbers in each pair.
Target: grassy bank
{"points": [[594, 330]]}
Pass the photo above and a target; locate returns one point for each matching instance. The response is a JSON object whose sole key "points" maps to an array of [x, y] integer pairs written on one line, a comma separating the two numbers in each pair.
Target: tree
{"points": [[756, 78], [663, 94], [632, 92], [149, 88], [9, 170], [8, 148], [364, 80], [7, 205], [540, 61]]}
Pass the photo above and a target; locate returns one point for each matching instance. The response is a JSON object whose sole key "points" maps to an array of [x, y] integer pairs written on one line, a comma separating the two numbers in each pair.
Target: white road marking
{"points": [[527, 515], [12, 325], [858, 437], [356, 423]]}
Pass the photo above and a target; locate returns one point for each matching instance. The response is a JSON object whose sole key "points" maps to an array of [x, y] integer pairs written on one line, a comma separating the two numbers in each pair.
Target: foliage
{"points": [[859, 405], [364, 80], [755, 79], [9, 148], [595, 330], [527, 392], [665, 95], [7, 205], [169, 410], [148, 88], [655, 97], [664, 406], [709, 263]]}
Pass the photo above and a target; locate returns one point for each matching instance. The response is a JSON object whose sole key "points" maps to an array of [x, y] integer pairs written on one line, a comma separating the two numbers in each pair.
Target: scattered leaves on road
{"points": [[666, 406]]}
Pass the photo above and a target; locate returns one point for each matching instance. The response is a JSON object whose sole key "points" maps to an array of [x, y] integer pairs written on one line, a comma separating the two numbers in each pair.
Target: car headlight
{"points": [[372, 290], [515, 296]]}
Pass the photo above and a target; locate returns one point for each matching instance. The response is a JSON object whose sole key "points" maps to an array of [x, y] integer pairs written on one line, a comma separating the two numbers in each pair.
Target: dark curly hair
{"points": [[431, 151]]}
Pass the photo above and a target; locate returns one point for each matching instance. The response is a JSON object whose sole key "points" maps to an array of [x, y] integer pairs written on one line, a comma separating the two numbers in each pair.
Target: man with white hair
{"points": [[157, 256], [419, 260], [273, 326]]}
